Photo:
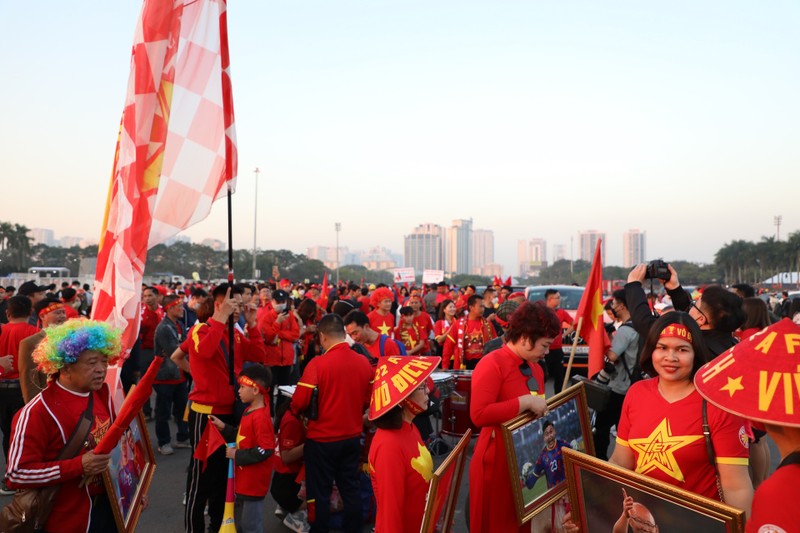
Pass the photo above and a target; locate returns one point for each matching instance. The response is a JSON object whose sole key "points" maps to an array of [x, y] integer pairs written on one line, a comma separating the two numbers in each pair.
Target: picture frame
{"points": [[440, 505], [537, 474], [598, 490], [130, 473]]}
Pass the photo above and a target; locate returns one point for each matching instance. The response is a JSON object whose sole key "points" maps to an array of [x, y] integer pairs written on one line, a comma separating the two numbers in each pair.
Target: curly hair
{"points": [[65, 343], [380, 295], [532, 321]]}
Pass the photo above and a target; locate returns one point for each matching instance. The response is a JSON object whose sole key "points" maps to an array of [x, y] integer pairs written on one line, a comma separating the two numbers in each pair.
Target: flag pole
{"points": [[230, 281], [572, 352]]}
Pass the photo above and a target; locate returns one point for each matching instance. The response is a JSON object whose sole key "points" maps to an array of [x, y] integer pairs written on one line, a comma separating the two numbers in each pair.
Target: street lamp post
{"points": [[255, 225], [338, 229], [777, 221]]}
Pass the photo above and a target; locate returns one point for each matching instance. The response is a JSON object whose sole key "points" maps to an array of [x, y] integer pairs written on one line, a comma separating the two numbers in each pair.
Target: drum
{"points": [[455, 409], [445, 383]]}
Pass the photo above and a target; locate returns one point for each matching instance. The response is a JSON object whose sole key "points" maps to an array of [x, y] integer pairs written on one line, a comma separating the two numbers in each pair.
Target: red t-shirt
{"points": [[401, 469], [383, 324], [563, 316], [667, 438], [11, 335], [148, 324], [476, 333], [410, 336], [425, 326], [364, 303], [775, 503], [343, 379], [291, 434], [255, 430], [389, 348]]}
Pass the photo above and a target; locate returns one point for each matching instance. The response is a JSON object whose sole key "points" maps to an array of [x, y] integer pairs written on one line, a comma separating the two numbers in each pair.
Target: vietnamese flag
{"points": [[591, 311], [322, 301], [210, 440]]}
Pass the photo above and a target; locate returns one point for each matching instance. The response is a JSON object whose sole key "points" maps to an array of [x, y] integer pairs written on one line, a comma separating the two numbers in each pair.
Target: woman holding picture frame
{"points": [[506, 382], [660, 432]]}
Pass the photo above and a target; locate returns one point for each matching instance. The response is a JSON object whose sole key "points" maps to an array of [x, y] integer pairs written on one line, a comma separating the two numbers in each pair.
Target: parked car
{"points": [[570, 299]]}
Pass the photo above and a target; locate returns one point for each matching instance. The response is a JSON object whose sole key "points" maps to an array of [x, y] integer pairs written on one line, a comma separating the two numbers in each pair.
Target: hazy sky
{"points": [[535, 119]]}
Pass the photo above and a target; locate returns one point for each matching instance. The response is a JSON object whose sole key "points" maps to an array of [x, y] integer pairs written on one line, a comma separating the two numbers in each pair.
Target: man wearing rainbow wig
{"points": [[75, 356]]}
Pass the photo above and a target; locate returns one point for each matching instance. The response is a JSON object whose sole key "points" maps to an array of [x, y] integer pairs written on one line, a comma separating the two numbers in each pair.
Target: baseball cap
{"points": [[30, 287]]}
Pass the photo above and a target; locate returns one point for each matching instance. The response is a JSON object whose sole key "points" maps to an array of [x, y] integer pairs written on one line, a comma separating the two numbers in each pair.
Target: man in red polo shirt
{"points": [[341, 381], [555, 358]]}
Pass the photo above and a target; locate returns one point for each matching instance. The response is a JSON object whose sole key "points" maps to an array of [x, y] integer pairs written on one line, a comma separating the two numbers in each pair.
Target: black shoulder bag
{"points": [[710, 449], [29, 510]]}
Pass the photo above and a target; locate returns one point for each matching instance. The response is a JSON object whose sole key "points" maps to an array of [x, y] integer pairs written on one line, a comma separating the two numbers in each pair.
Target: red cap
{"points": [[759, 378], [396, 377]]}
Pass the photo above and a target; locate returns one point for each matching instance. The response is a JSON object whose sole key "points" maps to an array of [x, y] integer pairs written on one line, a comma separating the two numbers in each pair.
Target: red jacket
{"points": [[280, 338], [213, 392], [344, 381], [41, 430], [148, 324]]}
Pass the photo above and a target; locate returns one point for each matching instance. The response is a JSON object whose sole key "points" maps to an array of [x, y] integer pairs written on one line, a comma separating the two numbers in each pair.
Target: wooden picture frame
{"points": [[440, 505], [536, 487], [127, 482], [598, 489]]}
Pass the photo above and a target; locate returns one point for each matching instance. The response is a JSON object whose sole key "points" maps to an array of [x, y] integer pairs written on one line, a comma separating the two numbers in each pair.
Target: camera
{"points": [[657, 269]]}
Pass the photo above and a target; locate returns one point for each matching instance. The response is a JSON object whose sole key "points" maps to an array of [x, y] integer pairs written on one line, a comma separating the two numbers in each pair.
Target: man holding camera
{"points": [[618, 373], [280, 329]]}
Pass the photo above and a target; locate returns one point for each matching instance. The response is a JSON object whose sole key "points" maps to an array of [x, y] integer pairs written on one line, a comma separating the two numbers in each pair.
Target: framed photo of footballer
{"points": [[443, 492], [533, 447], [605, 498], [129, 474]]}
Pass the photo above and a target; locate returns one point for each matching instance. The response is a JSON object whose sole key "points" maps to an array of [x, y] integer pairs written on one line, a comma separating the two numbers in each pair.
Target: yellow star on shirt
{"points": [[733, 386], [423, 463], [385, 328], [657, 451], [239, 438]]}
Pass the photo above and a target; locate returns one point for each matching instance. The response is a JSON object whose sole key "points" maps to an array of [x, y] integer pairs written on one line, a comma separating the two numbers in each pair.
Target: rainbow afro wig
{"points": [[65, 343]]}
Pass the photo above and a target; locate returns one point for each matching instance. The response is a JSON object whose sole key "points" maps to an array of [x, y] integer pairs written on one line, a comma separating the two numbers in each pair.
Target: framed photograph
{"points": [[533, 447], [130, 474], [607, 498], [443, 492]]}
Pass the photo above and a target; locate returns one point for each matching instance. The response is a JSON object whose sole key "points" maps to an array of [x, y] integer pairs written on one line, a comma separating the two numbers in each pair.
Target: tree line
{"points": [[737, 261]]}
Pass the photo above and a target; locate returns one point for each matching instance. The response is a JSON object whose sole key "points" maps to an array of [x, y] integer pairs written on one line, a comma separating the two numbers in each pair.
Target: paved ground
{"points": [[165, 512]]}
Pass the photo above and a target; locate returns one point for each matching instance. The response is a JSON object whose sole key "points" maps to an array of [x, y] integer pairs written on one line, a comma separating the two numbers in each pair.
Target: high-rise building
{"points": [[459, 247], [587, 242], [482, 249], [559, 252], [42, 236], [633, 248], [531, 257], [424, 248]]}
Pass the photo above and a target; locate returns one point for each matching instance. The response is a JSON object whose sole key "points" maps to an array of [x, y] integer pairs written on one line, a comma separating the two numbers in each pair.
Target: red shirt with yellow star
{"points": [[256, 437], [383, 324], [667, 438], [408, 335], [401, 469]]}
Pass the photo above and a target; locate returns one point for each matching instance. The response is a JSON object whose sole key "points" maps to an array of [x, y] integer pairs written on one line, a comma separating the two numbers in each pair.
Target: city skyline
{"points": [[531, 119]]}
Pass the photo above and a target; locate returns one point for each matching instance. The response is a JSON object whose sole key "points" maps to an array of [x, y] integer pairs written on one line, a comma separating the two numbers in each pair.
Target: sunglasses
{"points": [[699, 311], [527, 371]]}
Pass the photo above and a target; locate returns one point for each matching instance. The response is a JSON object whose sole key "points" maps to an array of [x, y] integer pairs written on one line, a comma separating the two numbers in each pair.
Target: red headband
{"points": [[677, 331], [172, 304], [50, 308], [247, 382]]}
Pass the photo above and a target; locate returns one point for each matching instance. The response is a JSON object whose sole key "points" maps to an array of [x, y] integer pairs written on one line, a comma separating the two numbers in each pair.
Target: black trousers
{"points": [[555, 368], [327, 462], [281, 375], [603, 422], [10, 402], [284, 491], [207, 486]]}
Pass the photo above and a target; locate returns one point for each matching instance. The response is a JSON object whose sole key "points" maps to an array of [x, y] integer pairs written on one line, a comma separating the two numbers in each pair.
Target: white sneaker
{"points": [[166, 449], [182, 444], [297, 522], [280, 512]]}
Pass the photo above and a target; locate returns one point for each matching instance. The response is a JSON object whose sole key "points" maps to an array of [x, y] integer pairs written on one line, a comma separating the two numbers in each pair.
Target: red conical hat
{"points": [[759, 378], [396, 378]]}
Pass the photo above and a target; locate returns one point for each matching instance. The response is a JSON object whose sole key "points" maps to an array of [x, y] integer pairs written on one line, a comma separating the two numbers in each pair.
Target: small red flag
{"points": [[591, 309], [210, 440], [322, 301], [508, 281]]}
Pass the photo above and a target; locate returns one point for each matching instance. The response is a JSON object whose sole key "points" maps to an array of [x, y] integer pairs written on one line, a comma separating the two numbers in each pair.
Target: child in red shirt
{"points": [[255, 444], [408, 333], [289, 472]]}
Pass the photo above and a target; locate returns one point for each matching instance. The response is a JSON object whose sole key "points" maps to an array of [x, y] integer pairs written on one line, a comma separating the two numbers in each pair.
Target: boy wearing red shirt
{"points": [[255, 443], [381, 318], [408, 333], [423, 322]]}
